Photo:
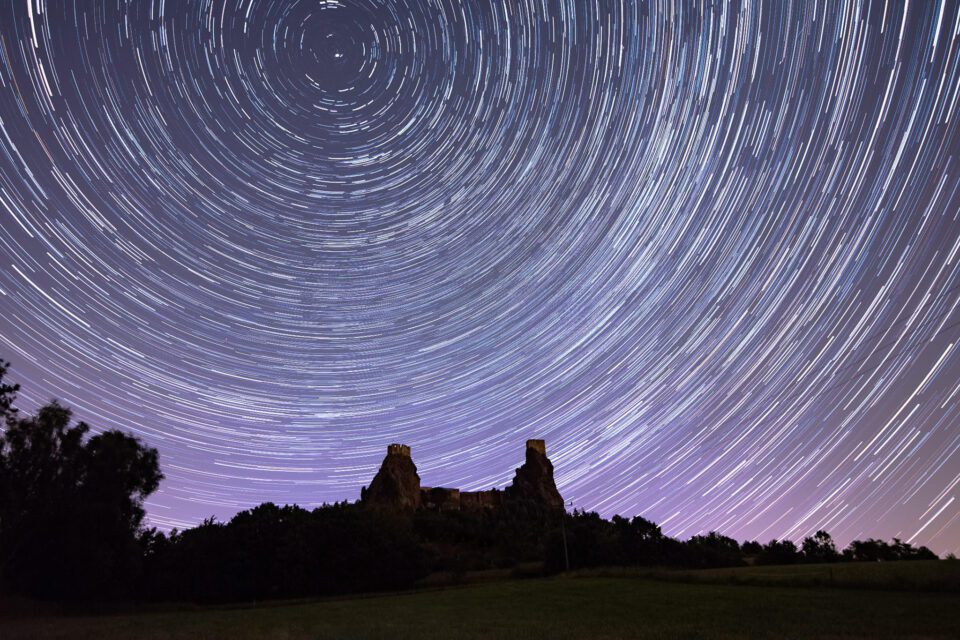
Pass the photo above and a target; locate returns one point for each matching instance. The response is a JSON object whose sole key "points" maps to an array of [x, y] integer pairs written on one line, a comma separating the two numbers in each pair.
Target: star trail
{"points": [[710, 251]]}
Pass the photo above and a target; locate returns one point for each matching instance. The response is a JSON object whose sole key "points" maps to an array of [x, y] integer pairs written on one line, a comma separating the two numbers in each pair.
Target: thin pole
{"points": [[563, 532]]}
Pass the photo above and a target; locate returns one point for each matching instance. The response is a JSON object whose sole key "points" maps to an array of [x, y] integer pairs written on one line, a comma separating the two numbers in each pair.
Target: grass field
{"points": [[934, 576], [565, 607]]}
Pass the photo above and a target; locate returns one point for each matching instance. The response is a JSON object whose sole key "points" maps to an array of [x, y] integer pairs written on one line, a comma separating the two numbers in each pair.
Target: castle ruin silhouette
{"points": [[397, 485]]}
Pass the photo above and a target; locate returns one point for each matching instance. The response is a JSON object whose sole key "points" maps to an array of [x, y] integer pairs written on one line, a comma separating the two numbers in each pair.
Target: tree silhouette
{"points": [[70, 509], [8, 393], [779, 552], [751, 548], [271, 551], [869, 550], [820, 548], [713, 550]]}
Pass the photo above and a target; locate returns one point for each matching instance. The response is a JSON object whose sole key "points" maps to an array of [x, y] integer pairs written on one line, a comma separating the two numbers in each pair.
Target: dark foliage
{"points": [[271, 551], [751, 548], [820, 548], [872, 550], [713, 550], [592, 541], [8, 394], [461, 541], [71, 507], [779, 552]]}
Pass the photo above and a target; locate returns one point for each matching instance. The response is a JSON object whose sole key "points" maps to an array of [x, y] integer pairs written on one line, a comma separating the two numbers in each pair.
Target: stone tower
{"points": [[540, 446], [534, 479], [396, 484]]}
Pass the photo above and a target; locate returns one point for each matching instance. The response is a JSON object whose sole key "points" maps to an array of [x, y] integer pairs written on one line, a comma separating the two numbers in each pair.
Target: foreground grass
{"points": [[928, 575], [578, 607]]}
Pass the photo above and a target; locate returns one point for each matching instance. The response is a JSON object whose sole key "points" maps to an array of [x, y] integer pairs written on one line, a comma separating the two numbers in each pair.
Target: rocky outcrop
{"points": [[396, 484], [534, 479]]}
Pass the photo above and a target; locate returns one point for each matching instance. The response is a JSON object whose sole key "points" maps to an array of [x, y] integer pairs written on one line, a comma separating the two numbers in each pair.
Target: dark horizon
{"points": [[710, 254]]}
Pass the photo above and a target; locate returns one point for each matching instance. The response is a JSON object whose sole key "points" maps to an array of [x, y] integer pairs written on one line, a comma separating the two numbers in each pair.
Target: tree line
{"points": [[72, 528], [593, 541]]}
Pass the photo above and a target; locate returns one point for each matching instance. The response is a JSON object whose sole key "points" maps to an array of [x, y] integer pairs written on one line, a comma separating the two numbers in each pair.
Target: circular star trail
{"points": [[709, 251]]}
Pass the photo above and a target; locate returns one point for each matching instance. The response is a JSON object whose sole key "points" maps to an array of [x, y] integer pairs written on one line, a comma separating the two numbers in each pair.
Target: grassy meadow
{"points": [[752, 602], [931, 576]]}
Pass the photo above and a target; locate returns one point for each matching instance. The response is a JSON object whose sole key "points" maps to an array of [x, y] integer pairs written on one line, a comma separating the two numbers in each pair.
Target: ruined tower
{"points": [[534, 479], [540, 446], [396, 484]]}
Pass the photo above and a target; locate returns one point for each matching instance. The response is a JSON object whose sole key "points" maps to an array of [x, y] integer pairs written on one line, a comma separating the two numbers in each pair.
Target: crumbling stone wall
{"points": [[398, 485], [440, 498], [481, 499]]}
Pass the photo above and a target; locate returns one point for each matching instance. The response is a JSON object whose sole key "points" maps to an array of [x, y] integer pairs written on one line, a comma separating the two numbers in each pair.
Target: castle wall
{"points": [[481, 499], [440, 498]]}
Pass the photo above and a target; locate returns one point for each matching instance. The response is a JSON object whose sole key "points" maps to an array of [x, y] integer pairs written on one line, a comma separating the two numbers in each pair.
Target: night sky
{"points": [[709, 251]]}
